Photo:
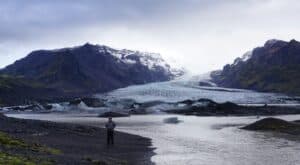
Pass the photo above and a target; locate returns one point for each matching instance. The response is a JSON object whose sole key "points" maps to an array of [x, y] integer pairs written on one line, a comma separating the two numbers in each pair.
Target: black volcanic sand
{"points": [[76, 144], [275, 125]]}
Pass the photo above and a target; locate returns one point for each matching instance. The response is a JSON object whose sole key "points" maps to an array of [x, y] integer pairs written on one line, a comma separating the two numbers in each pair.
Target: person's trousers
{"points": [[110, 137]]}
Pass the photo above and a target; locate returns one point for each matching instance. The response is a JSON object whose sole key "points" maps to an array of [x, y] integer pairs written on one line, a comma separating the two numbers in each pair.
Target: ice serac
{"points": [[90, 69], [274, 67]]}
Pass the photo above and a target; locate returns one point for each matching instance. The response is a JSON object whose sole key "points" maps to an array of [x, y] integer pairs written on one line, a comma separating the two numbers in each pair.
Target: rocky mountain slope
{"points": [[18, 90], [85, 69], [274, 67]]}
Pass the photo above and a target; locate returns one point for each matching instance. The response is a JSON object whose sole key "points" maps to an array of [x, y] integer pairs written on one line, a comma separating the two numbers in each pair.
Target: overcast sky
{"points": [[201, 35]]}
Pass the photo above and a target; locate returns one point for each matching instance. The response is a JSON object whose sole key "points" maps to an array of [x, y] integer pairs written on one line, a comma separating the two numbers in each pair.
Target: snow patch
{"points": [[129, 61], [151, 60], [244, 58], [247, 56]]}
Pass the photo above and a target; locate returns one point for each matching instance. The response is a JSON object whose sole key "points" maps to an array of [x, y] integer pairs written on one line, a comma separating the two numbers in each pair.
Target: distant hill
{"points": [[87, 69], [274, 67]]}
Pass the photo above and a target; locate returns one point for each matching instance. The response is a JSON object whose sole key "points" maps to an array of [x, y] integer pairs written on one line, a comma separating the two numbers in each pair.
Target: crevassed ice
{"points": [[182, 89]]}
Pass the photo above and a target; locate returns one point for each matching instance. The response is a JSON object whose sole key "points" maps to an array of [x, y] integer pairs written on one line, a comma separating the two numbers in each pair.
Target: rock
{"points": [[208, 102], [138, 111], [75, 102], [149, 104], [172, 120], [297, 121], [47, 106], [32, 107], [205, 84], [188, 102], [114, 114], [207, 107], [274, 124], [227, 105], [93, 102]]}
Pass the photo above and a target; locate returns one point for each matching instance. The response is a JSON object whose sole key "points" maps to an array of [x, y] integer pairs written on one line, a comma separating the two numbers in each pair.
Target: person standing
{"points": [[110, 126]]}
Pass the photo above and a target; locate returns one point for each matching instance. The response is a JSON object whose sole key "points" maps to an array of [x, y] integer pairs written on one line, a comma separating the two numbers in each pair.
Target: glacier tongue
{"points": [[188, 88]]}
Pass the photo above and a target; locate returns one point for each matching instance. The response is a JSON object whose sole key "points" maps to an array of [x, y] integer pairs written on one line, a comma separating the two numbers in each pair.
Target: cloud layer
{"points": [[202, 35]]}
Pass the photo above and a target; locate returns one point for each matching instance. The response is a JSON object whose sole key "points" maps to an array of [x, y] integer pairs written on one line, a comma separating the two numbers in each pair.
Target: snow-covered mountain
{"points": [[89, 69]]}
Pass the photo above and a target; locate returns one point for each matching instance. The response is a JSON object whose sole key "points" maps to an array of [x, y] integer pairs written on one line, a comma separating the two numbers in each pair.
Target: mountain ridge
{"points": [[89, 69], [273, 67]]}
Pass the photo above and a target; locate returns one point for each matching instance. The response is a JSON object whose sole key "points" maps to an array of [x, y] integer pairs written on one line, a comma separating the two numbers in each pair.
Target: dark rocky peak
{"points": [[293, 41], [88, 45], [275, 43], [269, 49], [294, 44], [96, 47], [274, 67]]}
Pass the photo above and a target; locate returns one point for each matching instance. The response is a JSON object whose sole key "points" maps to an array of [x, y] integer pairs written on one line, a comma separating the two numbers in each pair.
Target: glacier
{"points": [[187, 87]]}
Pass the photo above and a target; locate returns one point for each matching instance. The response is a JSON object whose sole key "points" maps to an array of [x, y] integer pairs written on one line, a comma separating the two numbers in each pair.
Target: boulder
{"points": [[138, 111], [75, 102], [209, 102], [297, 121], [274, 124], [113, 114], [47, 106], [93, 102], [188, 102], [171, 120], [228, 105], [205, 84]]}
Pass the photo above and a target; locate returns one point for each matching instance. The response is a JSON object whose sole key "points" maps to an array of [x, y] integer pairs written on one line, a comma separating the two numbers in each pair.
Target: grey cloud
{"points": [[20, 19], [187, 28]]}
